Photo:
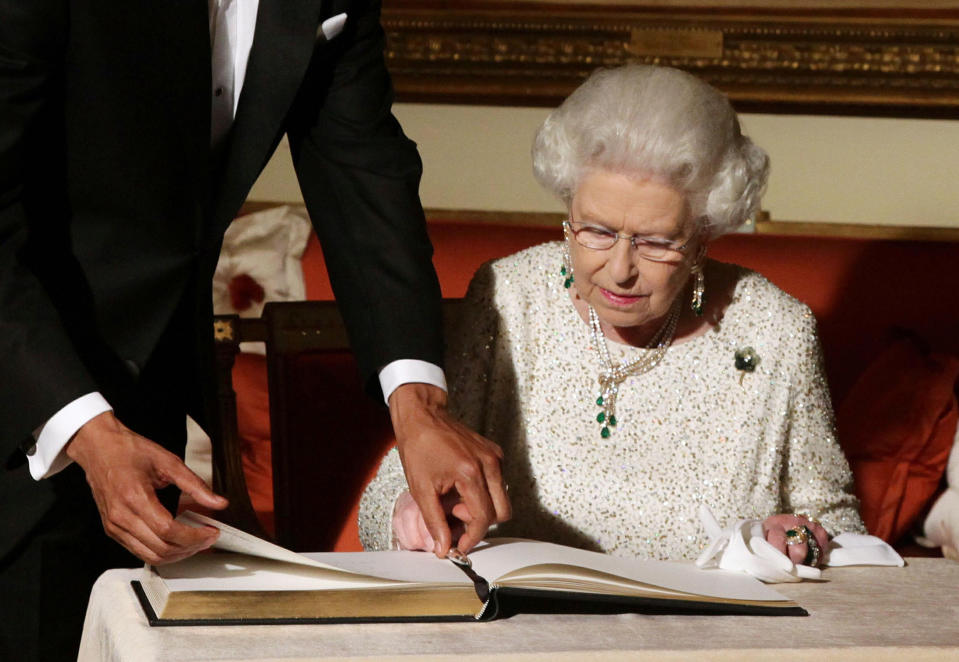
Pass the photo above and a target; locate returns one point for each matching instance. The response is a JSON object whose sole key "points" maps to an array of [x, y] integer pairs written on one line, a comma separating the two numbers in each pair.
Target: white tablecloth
{"points": [[865, 614]]}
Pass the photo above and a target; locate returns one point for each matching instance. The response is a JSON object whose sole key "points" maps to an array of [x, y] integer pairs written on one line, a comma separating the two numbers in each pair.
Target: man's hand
{"points": [[442, 457], [124, 470]]}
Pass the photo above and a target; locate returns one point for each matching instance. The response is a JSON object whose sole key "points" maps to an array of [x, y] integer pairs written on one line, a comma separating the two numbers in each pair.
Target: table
{"points": [[860, 614]]}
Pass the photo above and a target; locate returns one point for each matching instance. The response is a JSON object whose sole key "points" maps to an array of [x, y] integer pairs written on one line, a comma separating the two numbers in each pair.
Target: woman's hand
{"points": [[409, 527], [781, 529]]}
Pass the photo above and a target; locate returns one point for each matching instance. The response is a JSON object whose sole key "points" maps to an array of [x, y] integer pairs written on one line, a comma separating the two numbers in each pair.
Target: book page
{"points": [[228, 571], [234, 540], [406, 567], [502, 556], [416, 567]]}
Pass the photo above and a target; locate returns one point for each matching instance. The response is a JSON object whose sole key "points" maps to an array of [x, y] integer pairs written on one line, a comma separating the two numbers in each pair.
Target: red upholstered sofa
{"points": [[866, 293]]}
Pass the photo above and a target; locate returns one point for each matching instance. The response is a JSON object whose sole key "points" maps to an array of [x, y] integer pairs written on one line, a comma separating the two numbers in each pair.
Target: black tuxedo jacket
{"points": [[112, 206]]}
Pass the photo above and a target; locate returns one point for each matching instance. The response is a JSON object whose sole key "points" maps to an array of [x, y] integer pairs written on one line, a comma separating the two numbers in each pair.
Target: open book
{"points": [[254, 581]]}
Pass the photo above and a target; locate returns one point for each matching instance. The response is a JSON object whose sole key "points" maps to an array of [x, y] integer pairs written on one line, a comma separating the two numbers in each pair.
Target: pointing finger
{"points": [[189, 483], [481, 512]]}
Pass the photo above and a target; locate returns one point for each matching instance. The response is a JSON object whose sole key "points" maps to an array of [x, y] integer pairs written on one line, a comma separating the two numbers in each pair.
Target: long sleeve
{"points": [[471, 342], [360, 176], [472, 347], [375, 521], [41, 370], [817, 478]]}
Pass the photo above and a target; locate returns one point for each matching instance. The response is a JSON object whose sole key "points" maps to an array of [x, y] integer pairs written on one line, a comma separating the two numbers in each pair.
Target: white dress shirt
{"points": [[232, 23]]}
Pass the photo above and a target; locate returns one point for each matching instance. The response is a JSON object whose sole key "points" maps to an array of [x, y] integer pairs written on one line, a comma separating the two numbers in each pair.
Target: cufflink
{"points": [[331, 27]]}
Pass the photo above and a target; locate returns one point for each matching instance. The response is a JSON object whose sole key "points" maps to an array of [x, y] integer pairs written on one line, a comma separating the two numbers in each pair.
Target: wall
{"points": [[829, 169]]}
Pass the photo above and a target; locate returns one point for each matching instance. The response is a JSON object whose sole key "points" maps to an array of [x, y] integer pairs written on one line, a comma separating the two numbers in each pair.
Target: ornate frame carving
{"points": [[879, 61]]}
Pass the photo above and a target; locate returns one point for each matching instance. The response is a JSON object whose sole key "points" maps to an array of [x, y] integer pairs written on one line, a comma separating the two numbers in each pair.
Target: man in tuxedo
{"points": [[130, 134]]}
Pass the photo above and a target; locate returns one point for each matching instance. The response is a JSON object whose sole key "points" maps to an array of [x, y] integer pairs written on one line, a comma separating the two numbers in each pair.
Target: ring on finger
{"points": [[807, 517], [797, 536], [813, 552]]}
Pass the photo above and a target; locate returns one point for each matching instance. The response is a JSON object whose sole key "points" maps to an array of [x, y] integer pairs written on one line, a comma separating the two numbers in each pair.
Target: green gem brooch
{"points": [[746, 361]]}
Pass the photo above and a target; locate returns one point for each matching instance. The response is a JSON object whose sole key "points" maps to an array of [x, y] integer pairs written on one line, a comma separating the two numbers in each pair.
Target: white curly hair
{"points": [[655, 121]]}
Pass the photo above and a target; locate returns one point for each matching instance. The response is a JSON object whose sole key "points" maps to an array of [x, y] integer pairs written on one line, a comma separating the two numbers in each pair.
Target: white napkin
{"points": [[857, 549], [742, 547]]}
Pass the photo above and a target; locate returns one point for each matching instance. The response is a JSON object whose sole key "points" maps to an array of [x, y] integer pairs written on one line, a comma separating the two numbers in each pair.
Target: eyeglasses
{"points": [[649, 248]]}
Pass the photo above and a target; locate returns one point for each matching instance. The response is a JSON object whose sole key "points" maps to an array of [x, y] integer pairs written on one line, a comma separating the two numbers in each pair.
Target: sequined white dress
{"points": [[523, 373]]}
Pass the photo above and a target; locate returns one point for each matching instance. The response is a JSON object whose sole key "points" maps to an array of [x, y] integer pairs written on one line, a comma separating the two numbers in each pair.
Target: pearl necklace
{"points": [[614, 375]]}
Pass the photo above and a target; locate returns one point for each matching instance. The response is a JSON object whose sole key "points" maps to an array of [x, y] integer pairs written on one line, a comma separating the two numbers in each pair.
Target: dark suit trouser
{"points": [[45, 579]]}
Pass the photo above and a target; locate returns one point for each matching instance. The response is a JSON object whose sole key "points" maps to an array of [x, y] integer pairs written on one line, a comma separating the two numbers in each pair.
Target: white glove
{"points": [[742, 547]]}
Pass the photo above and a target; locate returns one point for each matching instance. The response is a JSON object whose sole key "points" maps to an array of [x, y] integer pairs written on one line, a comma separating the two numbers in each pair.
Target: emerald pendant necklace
{"points": [[613, 375]]}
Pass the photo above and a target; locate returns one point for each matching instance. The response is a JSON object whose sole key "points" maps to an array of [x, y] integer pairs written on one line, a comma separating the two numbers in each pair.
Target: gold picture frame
{"points": [[873, 57]]}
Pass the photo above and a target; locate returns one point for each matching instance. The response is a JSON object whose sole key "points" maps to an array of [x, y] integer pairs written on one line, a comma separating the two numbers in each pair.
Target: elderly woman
{"points": [[628, 378]]}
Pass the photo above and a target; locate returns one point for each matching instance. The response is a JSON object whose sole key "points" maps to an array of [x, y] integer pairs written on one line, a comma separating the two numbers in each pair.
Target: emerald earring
{"points": [[567, 269]]}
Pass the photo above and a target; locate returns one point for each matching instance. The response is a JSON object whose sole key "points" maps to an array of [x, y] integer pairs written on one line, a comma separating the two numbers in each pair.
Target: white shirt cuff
{"points": [[410, 371], [47, 457]]}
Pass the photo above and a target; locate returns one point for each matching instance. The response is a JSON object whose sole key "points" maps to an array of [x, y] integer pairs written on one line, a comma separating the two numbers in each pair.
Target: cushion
{"points": [[897, 426], [941, 528], [260, 261]]}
